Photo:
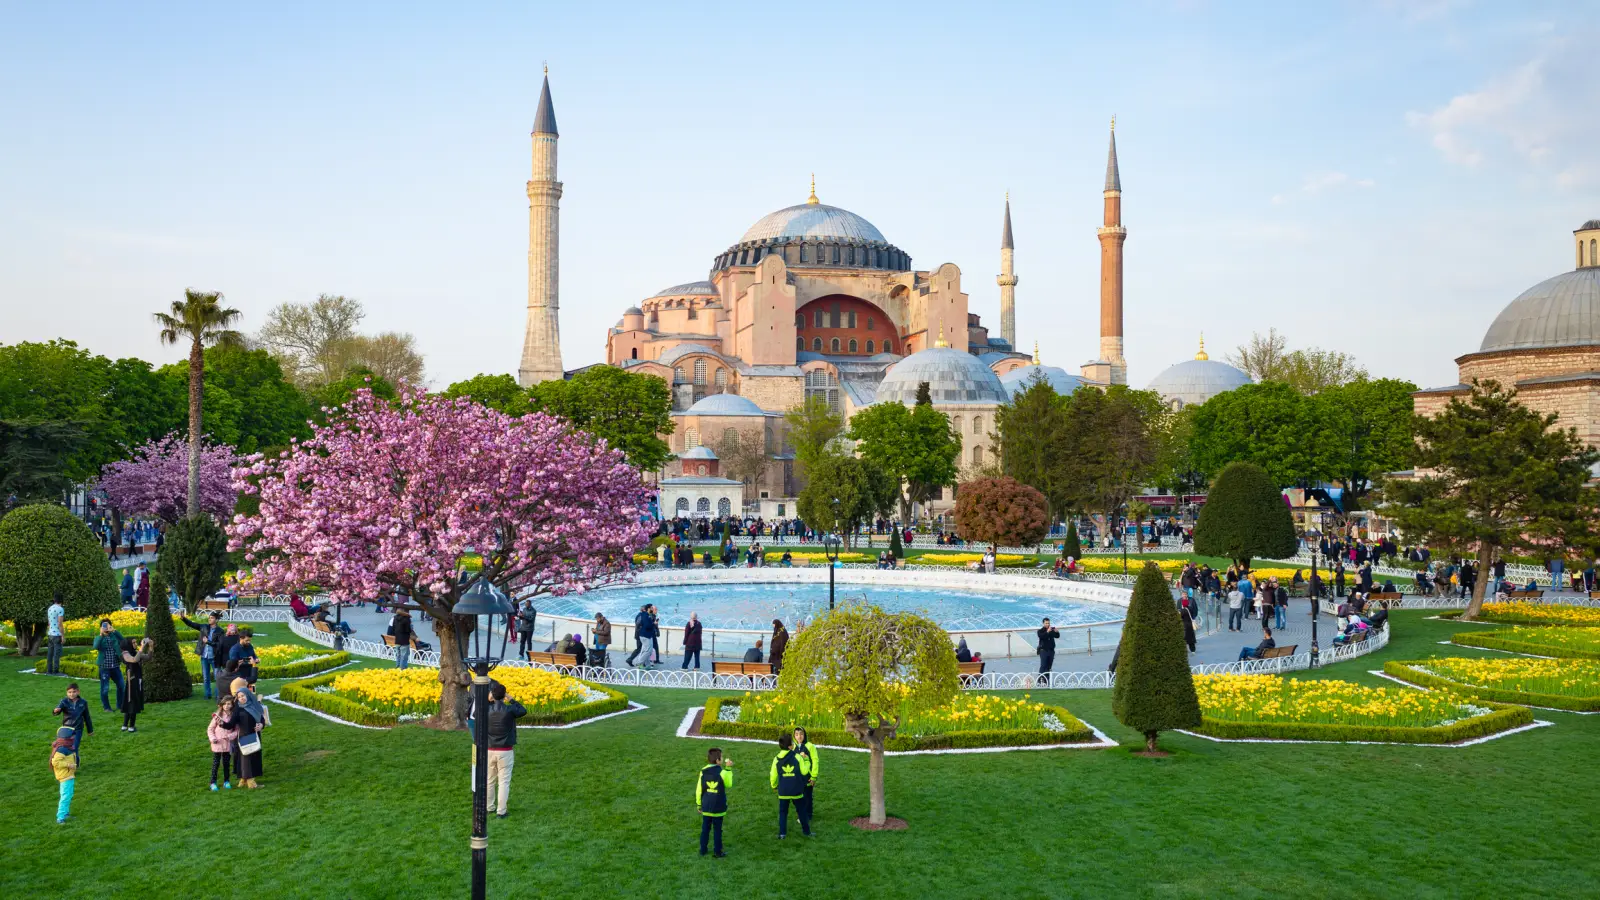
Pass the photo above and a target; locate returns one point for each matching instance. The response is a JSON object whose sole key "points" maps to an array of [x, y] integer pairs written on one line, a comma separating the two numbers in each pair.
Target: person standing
{"points": [[64, 763], [108, 647], [803, 746], [249, 717], [402, 638], [55, 624], [221, 733], [711, 789], [691, 641], [526, 617], [205, 646], [141, 587], [1187, 616], [242, 659], [503, 715], [74, 713], [127, 588], [780, 641], [641, 630], [1236, 609], [602, 640], [1280, 605], [788, 777], [133, 658], [1047, 635]]}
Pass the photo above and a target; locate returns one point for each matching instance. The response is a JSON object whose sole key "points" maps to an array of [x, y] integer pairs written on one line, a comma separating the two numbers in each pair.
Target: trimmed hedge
{"points": [[83, 665], [1500, 640], [303, 693], [1405, 671], [1503, 718], [1076, 733]]}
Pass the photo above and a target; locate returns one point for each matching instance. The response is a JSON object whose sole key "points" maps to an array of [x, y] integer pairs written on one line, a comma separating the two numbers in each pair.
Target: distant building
{"points": [[1194, 381]]}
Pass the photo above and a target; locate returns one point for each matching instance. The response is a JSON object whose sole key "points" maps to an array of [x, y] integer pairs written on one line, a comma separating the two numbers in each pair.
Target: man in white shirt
{"points": [[1236, 609], [55, 617]]}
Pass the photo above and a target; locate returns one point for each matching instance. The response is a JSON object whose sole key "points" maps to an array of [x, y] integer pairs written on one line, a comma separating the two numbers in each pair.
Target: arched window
{"points": [[823, 385], [724, 507], [691, 439], [977, 424], [799, 320], [682, 506], [730, 439], [1594, 252], [702, 505], [700, 469], [700, 371], [852, 318], [977, 456], [956, 421], [803, 254], [852, 345], [869, 348], [834, 345], [721, 379], [636, 353], [799, 343], [816, 344], [888, 346]]}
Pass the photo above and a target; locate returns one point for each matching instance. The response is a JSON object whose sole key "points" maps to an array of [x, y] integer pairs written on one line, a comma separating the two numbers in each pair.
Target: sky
{"points": [[1378, 178]]}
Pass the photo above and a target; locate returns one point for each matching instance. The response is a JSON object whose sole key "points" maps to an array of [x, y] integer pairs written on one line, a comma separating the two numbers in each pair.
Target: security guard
{"points": [[790, 770], [804, 747], [711, 797]]}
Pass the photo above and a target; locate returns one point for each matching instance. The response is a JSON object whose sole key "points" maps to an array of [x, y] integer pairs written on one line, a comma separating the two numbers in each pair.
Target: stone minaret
{"points": [[1112, 236], [541, 346], [1007, 280]]}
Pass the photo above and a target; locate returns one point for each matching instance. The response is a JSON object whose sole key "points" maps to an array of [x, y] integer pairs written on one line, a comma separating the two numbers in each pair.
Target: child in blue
{"points": [[711, 797], [64, 764], [74, 713]]}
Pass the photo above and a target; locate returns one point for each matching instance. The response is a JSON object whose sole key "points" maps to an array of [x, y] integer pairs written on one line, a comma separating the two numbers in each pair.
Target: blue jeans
{"points": [[205, 674], [1278, 614], [1249, 653], [65, 805], [106, 676], [402, 656], [1235, 618]]}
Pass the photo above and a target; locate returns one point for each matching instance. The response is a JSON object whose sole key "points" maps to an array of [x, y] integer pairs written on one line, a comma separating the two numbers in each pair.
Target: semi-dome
{"points": [[1060, 380], [1194, 381], [1563, 311], [725, 405], [813, 220], [691, 289], [953, 377], [633, 311]]}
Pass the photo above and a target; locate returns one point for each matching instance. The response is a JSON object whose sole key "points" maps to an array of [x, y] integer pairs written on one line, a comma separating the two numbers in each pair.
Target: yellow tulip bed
{"points": [[1559, 641], [962, 559], [129, 622], [1520, 613], [970, 720], [389, 696], [776, 556], [1571, 684], [1273, 707]]}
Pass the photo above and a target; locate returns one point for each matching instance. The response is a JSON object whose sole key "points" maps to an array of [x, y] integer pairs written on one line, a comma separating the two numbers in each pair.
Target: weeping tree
{"points": [[875, 668], [1072, 546]]}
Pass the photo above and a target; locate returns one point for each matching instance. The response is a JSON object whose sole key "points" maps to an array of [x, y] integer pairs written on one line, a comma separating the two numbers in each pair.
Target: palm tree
{"points": [[201, 319]]}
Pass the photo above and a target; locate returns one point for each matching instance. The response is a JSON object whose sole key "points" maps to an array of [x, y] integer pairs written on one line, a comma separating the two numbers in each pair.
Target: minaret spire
{"points": [[1112, 236], [541, 343], [1007, 279]]}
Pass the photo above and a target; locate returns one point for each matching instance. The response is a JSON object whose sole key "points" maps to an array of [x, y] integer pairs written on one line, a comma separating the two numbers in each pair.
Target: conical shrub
{"points": [[1154, 690], [165, 677]]}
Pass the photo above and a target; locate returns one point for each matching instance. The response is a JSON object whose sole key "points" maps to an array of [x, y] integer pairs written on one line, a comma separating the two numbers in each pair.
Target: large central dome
{"points": [[813, 220]]}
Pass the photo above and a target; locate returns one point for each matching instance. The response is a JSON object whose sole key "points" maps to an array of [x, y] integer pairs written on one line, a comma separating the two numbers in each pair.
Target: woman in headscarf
{"points": [[249, 717], [133, 658], [963, 653], [780, 640], [1185, 613]]}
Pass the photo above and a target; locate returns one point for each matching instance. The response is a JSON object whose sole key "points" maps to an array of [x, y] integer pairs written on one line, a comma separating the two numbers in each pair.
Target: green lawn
{"points": [[605, 810]]}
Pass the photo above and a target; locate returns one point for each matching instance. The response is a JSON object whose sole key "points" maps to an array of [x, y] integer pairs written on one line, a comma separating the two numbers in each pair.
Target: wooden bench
{"points": [[388, 639], [970, 668], [1527, 595], [211, 603], [1390, 596], [1277, 652], [547, 658], [741, 668]]}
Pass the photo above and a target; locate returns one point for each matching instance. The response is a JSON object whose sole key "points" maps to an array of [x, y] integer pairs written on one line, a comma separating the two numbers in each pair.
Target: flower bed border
{"points": [[72, 665], [1499, 640], [711, 724], [1403, 670], [1504, 718], [302, 693], [1520, 620]]}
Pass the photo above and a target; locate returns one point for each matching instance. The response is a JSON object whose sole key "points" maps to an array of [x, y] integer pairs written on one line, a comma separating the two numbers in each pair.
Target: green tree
{"points": [[874, 668], [844, 491], [268, 411], [193, 558], [629, 411], [34, 455], [165, 676], [1139, 512], [1271, 425], [1370, 423], [1268, 358], [1154, 688], [1030, 428], [1175, 468], [307, 338], [337, 393], [1245, 517], [1001, 512], [201, 321], [813, 425], [1072, 546], [915, 447], [499, 392], [1498, 477], [44, 549], [1111, 448]]}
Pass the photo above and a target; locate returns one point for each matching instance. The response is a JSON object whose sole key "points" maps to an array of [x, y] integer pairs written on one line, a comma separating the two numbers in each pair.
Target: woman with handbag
{"points": [[249, 717]]}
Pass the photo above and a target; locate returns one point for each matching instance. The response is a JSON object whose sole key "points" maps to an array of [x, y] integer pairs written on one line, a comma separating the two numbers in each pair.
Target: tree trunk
{"points": [[196, 381], [1150, 741], [453, 677], [1480, 581], [30, 637], [878, 812]]}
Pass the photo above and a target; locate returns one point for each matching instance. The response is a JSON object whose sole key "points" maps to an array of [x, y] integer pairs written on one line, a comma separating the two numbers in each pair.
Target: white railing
{"points": [[866, 542], [259, 614]]}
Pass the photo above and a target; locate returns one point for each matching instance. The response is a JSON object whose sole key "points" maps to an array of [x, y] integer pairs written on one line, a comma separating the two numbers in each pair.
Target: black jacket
{"points": [[208, 632], [402, 631], [503, 723], [1047, 639]]}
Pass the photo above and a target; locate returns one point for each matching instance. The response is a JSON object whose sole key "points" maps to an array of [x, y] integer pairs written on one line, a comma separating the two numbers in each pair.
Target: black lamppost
{"points": [[1123, 540], [830, 547], [1314, 539], [481, 614]]}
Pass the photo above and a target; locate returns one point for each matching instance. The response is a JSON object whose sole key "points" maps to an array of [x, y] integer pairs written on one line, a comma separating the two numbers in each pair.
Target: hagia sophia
{"points": [[814, 301]]}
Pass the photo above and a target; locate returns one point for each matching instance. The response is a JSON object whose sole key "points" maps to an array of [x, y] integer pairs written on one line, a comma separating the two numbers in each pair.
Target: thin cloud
{"points": [[1323, 182]]}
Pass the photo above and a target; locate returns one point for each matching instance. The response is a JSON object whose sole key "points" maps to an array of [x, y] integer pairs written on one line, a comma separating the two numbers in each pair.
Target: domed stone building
{"points": [[1546, 344], [1194, 381]]}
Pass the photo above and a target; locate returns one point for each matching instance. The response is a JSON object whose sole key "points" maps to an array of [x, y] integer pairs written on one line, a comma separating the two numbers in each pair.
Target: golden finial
{"points": [[812, 200], [1202, 354], [1113, 122], [1036, 353], [547, 68], [940, 341]]}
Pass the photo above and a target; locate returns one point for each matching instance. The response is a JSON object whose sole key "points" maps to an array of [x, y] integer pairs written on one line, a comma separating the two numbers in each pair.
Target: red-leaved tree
{"points": [[1000, 512], [155, 481], [390, 495]]}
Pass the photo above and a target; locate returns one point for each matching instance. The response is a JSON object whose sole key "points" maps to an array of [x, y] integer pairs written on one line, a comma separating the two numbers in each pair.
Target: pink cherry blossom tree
{"points": [[155, 481], [390, 495]]}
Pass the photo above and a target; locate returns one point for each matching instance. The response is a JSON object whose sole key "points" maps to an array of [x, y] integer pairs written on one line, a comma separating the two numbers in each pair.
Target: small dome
{"points": [[633, 311], [953, 377], [1590, 225], [1194, 381], [700, 452], [1063, 382], [725, 405], [813, 220], [1563, 311], [692, 289]]}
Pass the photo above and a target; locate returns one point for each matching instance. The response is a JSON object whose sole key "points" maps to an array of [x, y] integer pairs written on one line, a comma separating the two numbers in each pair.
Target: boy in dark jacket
{"points": [[711, 797], [790, 771], [74, 713]]}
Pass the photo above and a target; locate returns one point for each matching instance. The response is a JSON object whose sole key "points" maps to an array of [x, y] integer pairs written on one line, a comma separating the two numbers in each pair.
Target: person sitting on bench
{"points": [[321, 615], [1267, 643], [753, 655]]}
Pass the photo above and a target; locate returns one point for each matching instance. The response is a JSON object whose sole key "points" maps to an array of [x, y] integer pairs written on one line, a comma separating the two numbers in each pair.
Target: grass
{"points": [[1559, 641], [605, 809]]}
